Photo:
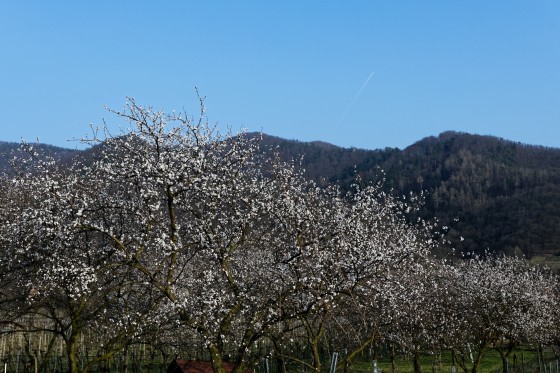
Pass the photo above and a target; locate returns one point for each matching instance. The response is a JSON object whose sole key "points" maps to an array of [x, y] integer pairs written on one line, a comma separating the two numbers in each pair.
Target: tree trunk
{"points": [[280, 363], [125, 359], [313, 340], [461, 362], [416, 362], [392, 353], [349, 359], [217, 362], [239, 365], [504, 354], [453, 361], [316, 356], [476, 362], [505, 364], [71, 351]]}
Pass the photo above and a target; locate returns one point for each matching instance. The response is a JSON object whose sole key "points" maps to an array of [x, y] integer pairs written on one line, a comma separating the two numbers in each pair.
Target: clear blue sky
{"points": [[295, 69]]}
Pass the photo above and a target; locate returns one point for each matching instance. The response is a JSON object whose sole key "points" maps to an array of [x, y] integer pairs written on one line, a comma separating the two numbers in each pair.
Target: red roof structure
{"points": [[198, 366]]}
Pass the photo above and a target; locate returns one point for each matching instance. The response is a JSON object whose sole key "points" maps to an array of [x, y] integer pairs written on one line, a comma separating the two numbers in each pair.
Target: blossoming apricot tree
{"points": [[174, 223]]}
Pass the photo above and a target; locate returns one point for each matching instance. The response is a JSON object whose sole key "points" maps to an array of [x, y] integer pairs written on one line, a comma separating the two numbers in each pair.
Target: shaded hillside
{"points": [[505, 195], [327, 163], [9, 150], [496, 194]]}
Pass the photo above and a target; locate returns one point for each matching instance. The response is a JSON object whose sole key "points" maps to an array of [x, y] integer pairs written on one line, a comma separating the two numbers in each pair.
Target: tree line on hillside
{"points": [[174, 235], [499, 195]]}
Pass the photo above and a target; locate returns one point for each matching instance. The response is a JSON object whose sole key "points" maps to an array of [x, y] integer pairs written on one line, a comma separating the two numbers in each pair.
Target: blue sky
{"points": [[295, 69]]}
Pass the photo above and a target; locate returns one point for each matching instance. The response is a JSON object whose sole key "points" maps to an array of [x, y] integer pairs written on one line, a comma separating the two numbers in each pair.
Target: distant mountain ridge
{"points": [[11, 149], [505, 195]]}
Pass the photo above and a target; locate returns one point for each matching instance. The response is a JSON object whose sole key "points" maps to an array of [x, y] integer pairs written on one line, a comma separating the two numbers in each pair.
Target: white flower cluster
{"points": [[174, 224]]}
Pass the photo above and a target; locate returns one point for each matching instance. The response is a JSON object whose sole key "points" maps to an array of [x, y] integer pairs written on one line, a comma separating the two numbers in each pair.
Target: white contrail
{"points": [[354, 99]]}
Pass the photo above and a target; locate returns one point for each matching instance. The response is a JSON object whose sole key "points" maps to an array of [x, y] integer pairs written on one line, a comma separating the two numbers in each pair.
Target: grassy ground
{"points": [[550, 261], [431, 363]]}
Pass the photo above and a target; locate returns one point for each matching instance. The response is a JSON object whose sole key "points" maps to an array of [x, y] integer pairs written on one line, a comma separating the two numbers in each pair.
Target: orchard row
{"points": [[175, 233]]}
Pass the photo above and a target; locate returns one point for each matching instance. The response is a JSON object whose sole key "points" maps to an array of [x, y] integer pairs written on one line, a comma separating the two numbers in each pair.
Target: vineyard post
{"points": [[333, 362]]}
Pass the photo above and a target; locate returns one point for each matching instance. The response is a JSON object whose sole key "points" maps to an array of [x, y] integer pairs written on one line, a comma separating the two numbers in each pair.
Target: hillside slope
{"points": [[496, 194], [505, 195]]}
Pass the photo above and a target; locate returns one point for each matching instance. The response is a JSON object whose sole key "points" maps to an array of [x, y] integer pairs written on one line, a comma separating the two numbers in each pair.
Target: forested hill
{"points": [[8, 150], [505, 195]]}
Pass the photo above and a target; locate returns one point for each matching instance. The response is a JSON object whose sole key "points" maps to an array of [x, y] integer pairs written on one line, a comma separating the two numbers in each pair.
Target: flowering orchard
{"points": [[182, 239]]}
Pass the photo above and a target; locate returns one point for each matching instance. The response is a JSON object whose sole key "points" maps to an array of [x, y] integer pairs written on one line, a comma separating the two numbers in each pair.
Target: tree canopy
{"points": [[176, 224]]}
